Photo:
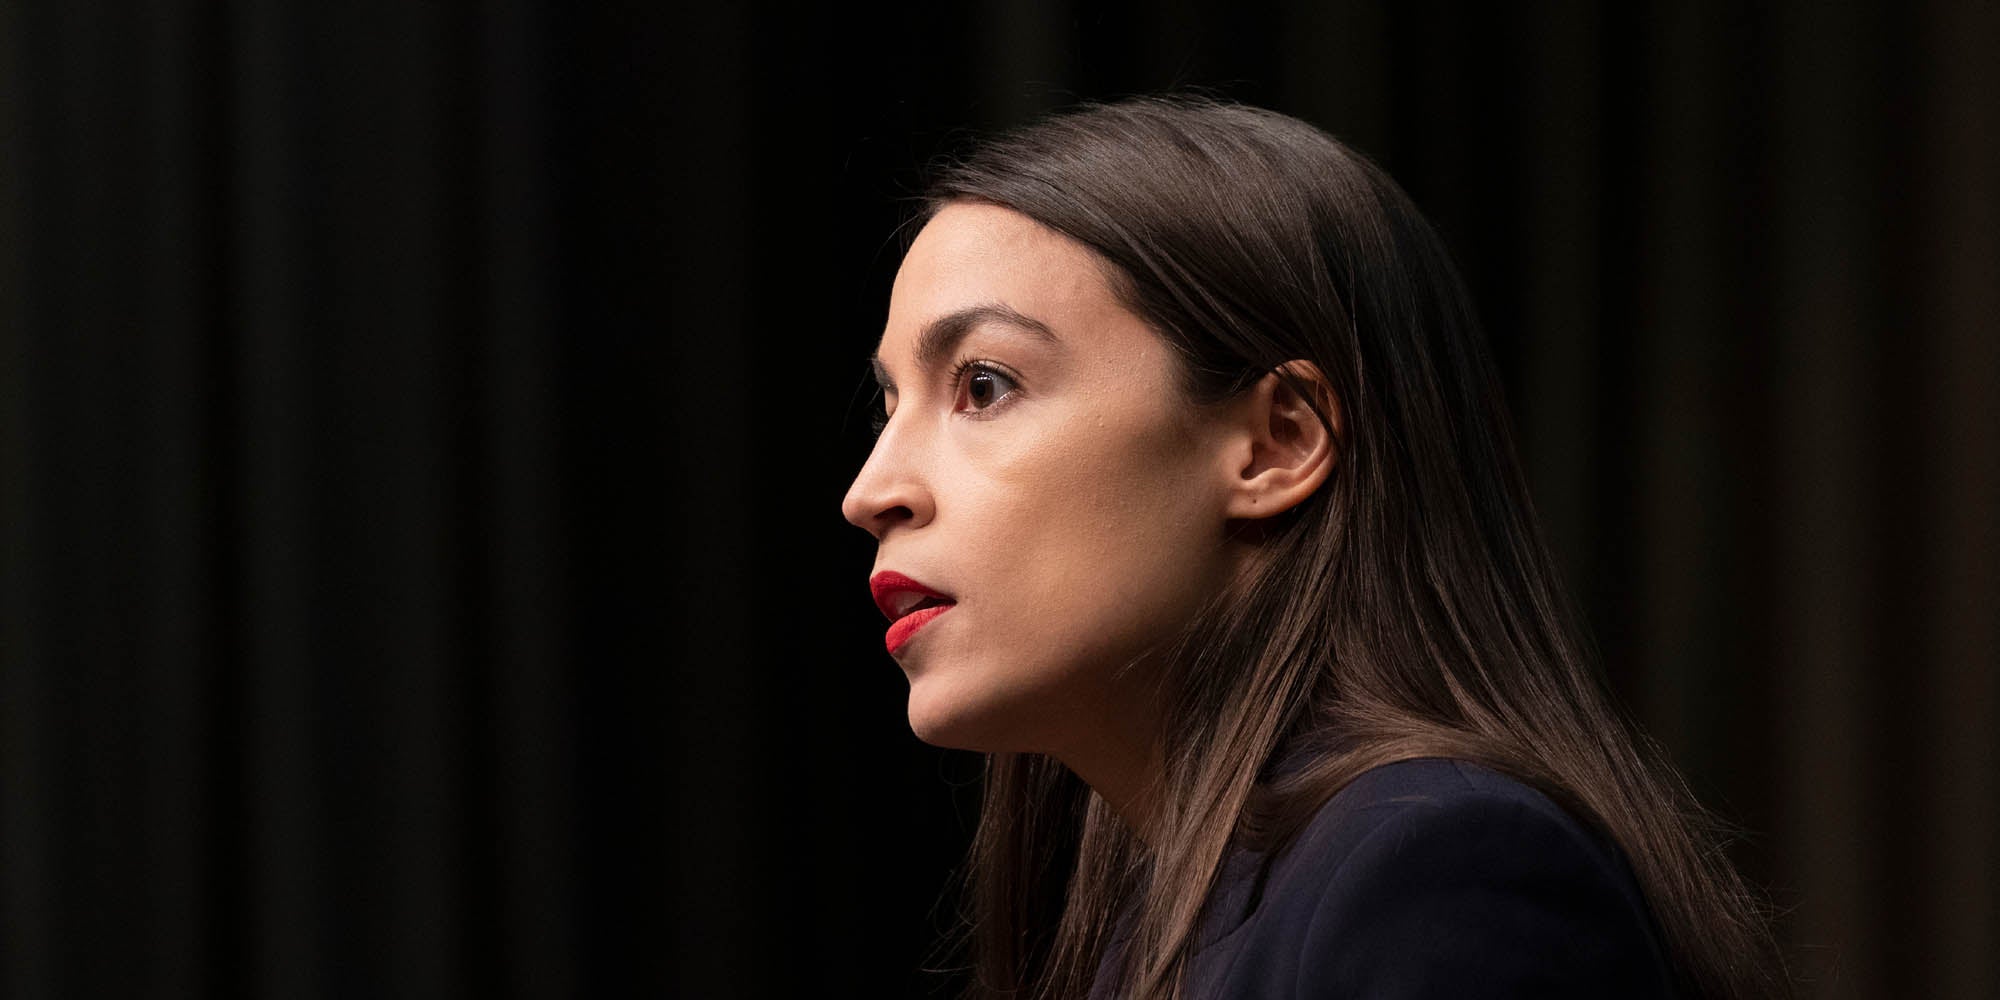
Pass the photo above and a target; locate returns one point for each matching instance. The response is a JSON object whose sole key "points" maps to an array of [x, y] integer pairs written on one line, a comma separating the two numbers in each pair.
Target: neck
{"points": [[1124, 763]]}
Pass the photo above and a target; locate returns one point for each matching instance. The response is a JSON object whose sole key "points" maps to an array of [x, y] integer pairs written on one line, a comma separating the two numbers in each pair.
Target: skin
{"points": [[1072, 500]]}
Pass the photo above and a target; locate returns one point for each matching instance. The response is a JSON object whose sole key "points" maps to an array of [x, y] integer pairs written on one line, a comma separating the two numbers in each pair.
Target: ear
{"points": [[1278, 450]]}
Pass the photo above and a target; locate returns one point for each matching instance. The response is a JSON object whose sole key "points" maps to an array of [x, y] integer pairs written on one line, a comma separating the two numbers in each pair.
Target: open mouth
{"points": [[904, 628], [928, 602], [908, 604], [898, 595]]}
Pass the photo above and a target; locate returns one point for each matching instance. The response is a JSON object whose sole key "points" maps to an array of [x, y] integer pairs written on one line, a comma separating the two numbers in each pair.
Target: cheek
{"points": [[1098, 539]]}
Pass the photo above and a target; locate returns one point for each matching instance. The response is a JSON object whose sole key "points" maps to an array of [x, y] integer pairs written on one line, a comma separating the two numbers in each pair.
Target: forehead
{"points": [[975, 254], [968, 244]]}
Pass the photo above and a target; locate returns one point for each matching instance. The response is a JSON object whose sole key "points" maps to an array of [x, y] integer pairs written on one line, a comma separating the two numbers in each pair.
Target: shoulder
{"points": [[1432, 793], [1437, 877]]}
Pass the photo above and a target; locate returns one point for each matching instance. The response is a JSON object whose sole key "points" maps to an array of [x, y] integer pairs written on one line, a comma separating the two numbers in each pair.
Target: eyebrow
{"points": [[942, 335]]}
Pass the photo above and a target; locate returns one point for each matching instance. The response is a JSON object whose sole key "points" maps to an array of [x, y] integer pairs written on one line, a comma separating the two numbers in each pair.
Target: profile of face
{"points": [[1042, 469]]}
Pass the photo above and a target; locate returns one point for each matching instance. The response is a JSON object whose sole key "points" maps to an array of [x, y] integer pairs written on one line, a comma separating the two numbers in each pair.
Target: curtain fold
{"points": [[423, 428]]}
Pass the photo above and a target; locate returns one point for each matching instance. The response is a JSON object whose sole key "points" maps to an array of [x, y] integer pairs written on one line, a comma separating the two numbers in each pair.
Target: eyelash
{"points": [[956, 379]]}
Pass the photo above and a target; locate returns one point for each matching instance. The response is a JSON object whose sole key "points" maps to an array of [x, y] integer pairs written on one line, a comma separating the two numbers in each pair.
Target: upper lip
{"points": [[896, 594]]}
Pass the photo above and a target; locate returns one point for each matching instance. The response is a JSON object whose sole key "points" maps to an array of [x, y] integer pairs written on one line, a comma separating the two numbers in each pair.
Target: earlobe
{"points": [[1291, 451]]}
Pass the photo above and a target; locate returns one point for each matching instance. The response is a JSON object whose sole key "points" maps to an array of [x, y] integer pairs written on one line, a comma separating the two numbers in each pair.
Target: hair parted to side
{"points": [[1409, 608]]}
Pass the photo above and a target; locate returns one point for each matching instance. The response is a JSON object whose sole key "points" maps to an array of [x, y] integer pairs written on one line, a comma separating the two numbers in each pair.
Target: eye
{"points": [[878, 414], [981, 383]]}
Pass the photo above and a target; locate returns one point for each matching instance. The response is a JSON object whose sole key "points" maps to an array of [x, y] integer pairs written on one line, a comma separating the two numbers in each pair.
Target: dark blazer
{"points": [[1428, 878]]}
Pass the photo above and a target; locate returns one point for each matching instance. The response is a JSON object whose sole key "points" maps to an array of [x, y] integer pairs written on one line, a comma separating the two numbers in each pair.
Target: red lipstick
{"points": [[907, 604]]}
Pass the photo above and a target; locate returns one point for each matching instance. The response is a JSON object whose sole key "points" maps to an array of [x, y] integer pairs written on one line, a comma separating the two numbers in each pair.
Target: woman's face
{"points": [[1059, 489]]}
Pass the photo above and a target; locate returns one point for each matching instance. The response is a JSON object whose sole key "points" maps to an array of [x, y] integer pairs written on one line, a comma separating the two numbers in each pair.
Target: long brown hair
{"points": [[1409, 608]]}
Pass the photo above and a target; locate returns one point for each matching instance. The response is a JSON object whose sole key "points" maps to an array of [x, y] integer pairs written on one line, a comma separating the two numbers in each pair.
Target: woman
{"points": [[1197, 512]]}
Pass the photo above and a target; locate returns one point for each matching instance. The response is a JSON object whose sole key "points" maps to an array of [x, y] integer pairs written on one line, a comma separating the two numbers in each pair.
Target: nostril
{"points": [[887, 516], [880, 512]]}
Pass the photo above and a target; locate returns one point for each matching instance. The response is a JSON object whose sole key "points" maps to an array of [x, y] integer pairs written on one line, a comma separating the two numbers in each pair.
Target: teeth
{"points": [[909, 600]]}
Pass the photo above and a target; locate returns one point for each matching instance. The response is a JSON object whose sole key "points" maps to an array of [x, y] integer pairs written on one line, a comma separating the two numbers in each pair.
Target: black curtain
{"points": [[423, 428]]}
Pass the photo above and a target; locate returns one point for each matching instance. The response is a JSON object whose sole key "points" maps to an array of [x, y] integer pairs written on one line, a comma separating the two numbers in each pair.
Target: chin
{"points": [[953, 720], [941, 727]]}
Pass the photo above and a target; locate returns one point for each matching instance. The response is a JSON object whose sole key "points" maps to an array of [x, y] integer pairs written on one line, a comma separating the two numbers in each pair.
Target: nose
{"points": [[886, 493]]}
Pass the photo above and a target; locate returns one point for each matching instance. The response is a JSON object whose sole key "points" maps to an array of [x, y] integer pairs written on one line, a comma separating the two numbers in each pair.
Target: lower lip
{"points": [[903, 628]]}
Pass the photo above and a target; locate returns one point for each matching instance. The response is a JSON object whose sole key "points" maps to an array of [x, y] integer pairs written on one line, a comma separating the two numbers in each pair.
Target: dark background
{"points": [[423, 429]]}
